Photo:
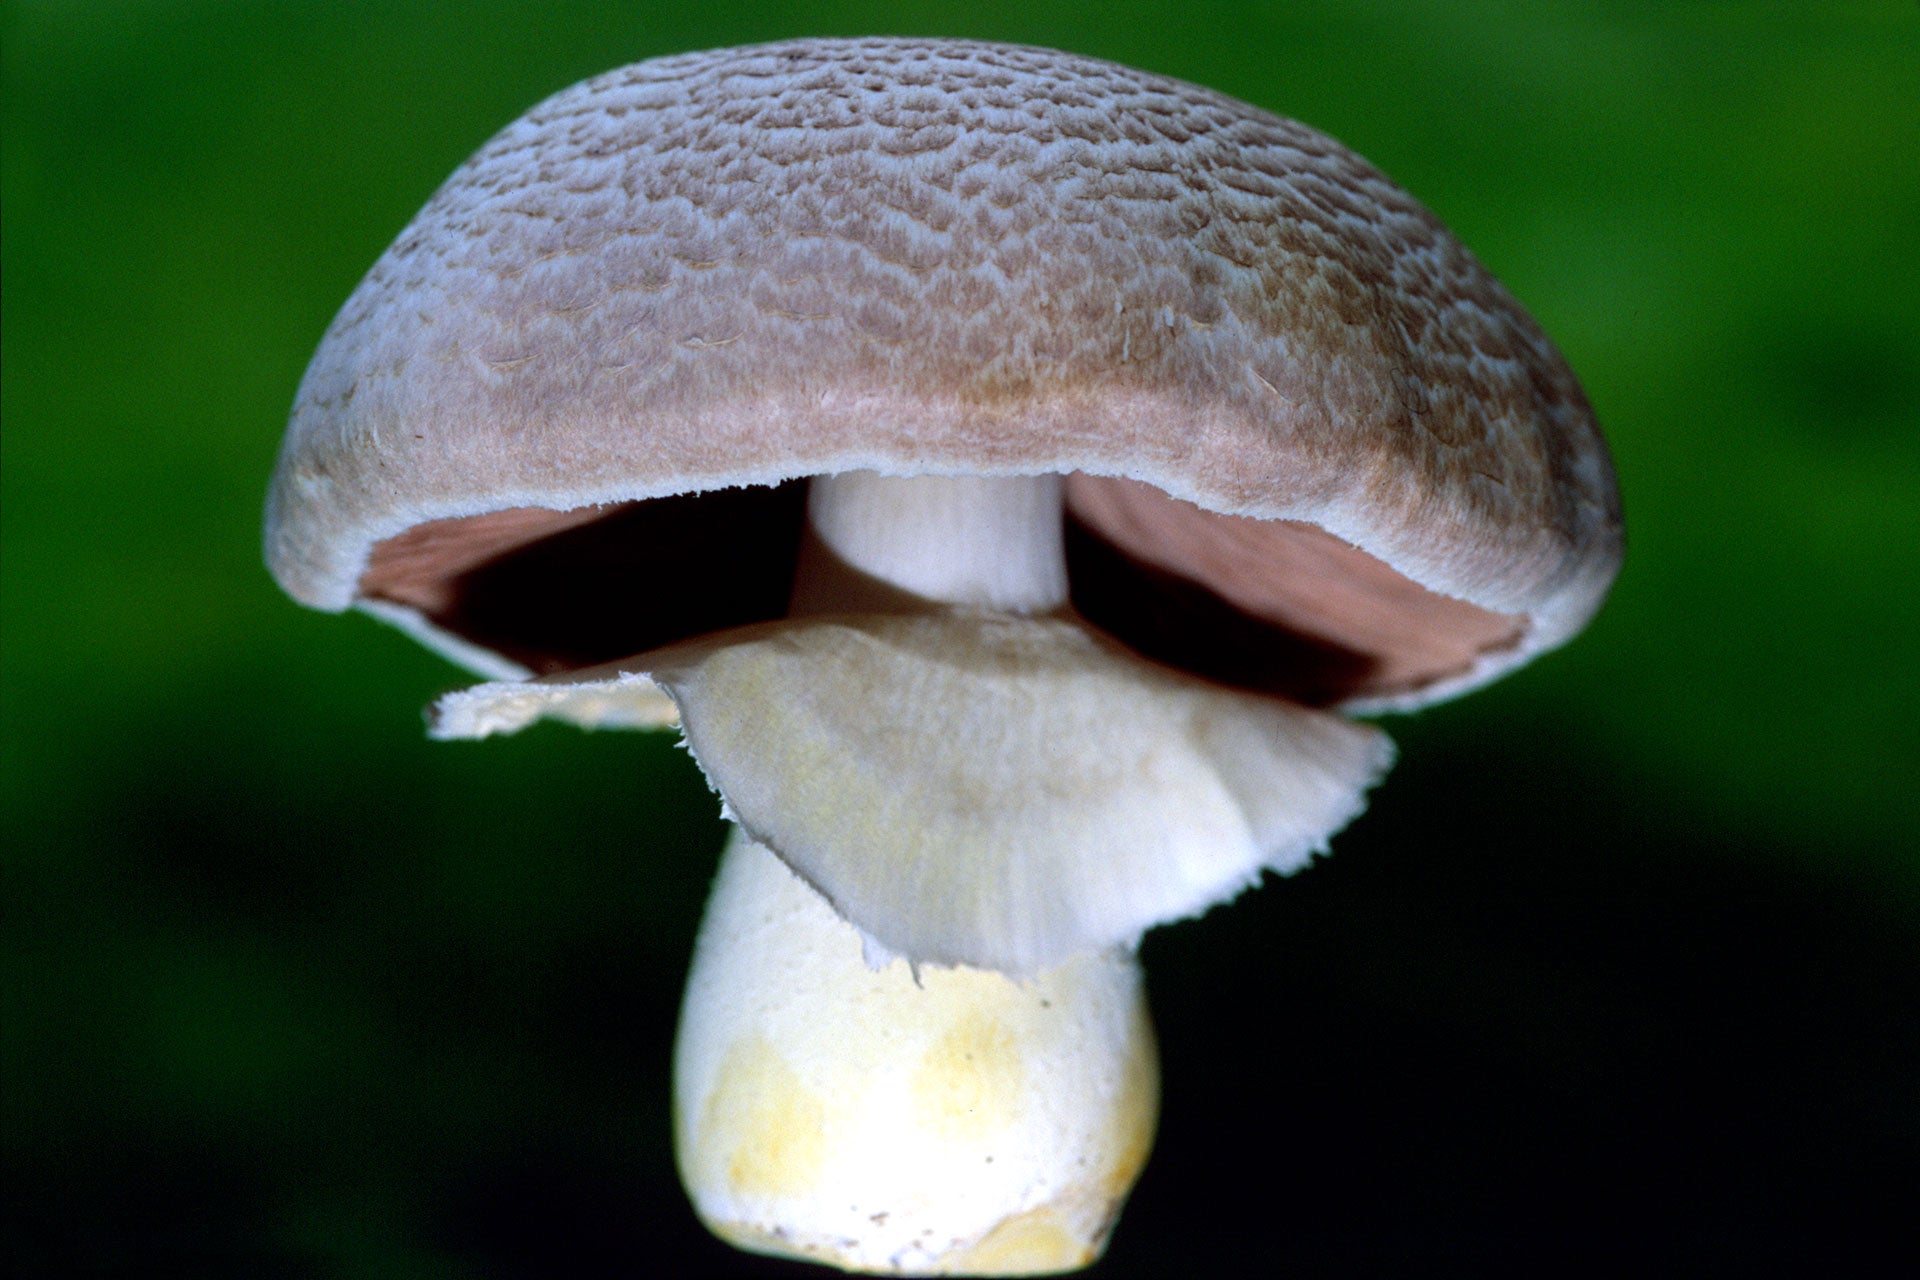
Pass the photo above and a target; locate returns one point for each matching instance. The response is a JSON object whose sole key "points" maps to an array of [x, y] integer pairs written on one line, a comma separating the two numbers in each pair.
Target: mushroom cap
{"points": [[1286, 396]]}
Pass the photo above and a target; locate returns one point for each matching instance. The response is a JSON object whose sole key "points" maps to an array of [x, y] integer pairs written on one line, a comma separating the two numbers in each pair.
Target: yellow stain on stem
{"points": [[764, 1123], [1034, 1243], [1136, 1115], [968, 1085]]}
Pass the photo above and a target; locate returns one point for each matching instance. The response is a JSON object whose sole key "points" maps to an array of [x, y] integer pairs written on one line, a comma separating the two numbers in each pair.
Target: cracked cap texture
{"points": [[748, 265]]}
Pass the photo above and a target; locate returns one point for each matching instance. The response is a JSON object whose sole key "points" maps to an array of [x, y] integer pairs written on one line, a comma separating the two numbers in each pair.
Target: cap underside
{"points": [[1279, 607]]}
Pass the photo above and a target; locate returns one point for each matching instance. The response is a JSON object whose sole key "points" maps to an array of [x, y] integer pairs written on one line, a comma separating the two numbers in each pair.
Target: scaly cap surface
{"points": [[748, 265]]}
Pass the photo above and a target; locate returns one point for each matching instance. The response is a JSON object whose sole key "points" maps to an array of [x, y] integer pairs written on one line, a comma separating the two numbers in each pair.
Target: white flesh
{"points": [[994, 542]]}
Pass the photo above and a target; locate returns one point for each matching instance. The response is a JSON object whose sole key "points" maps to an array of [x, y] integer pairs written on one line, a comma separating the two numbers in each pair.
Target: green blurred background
{"points": [[1621, 967]]}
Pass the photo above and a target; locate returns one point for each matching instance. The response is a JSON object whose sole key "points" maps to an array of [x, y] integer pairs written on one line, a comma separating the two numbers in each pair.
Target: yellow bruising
{"points": [[970, 1081], [1136, 1114], [1071, 1231], [968, 1085], [1039, 1242], [767, 1127], [1032, 1243]]}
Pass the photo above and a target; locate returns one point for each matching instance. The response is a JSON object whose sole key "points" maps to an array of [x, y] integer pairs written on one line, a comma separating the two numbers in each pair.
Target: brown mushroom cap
{"points": [[1306, 430]]}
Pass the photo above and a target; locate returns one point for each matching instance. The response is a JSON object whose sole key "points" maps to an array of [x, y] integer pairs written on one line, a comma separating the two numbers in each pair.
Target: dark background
{"points": [[1620, 969]]}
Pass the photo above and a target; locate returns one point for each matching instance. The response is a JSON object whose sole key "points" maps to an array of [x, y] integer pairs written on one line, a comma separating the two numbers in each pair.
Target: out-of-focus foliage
{"points": [[1624, 954]]}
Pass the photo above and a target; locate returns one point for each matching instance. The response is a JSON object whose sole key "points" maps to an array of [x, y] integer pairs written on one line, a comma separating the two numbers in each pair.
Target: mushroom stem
{"points": [[953, 1120], [837, 1105], [994, 542]]}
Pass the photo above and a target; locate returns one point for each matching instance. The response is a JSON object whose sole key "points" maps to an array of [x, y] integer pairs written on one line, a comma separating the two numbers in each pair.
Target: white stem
{"points": [[834, 1105], [991, 541], [953, 1121]]}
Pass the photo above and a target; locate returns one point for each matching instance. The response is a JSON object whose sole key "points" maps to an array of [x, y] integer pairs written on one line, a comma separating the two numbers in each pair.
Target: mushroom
{"points": [[1005, 467]]}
